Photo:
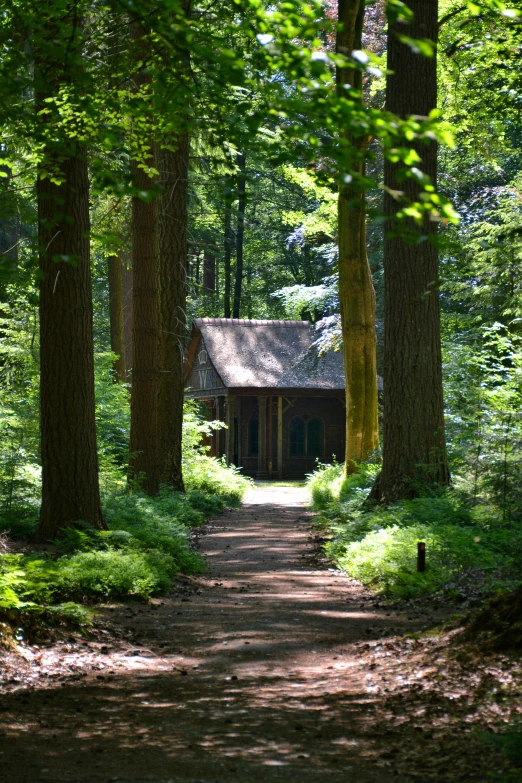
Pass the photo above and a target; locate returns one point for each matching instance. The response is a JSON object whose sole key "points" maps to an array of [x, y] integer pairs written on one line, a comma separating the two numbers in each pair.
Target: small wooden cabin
{"points": [[284, 405]]}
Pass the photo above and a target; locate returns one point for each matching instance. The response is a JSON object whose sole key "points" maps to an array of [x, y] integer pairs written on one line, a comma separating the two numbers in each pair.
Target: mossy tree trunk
{"points": [[356, 292], [414, 449], [70, 489]]}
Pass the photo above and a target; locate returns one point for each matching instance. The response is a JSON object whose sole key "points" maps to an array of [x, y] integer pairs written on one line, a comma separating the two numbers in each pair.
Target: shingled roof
{"points": [[267, 354]]}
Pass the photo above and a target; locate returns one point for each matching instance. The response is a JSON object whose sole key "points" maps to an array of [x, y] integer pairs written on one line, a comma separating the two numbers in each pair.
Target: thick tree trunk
{"points": [[238, 283], [143, 459], [228, 253], [173, 167], [414, 454], [70, 489], [116, 316], [356, 292]]}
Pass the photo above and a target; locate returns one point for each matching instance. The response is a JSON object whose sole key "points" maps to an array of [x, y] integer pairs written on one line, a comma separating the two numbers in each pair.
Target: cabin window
{"points": [[306, 438], [314, 440], [297, 438], [253, 436]]}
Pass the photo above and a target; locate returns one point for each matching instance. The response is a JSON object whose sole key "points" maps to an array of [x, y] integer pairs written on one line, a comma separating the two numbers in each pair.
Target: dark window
{"points": [[297, 438], [253, 436], [314, 441]]}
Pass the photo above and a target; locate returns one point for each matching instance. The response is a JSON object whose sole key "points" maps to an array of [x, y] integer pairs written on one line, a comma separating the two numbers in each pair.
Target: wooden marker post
{"points": [[421, 556]]}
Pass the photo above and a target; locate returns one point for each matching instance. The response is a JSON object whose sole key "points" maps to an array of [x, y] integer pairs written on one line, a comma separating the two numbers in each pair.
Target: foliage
{"points": [[212, 476], [328, 483], [467, 546], [147, 542], [509, 742]]}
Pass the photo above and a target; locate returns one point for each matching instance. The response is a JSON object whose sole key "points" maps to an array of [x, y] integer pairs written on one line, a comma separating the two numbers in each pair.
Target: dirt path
{"points": [[257, 672]]}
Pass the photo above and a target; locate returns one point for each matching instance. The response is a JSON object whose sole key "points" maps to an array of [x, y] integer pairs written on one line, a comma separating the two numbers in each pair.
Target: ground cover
{"points": [[472, 550], [146, 546]]}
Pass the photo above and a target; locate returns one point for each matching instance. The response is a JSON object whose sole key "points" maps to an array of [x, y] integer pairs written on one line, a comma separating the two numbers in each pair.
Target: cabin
{"points": [[283, 404]]}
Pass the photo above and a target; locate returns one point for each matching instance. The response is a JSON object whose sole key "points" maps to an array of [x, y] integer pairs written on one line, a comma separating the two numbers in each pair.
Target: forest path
{"points": [[258, 671]]}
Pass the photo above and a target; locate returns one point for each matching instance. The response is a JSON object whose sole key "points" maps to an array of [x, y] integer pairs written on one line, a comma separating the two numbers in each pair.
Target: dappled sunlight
{"points": [[249, 674]]}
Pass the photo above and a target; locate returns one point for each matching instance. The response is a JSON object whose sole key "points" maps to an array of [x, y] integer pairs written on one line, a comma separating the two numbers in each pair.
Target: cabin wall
{"points": [[329, 410]]}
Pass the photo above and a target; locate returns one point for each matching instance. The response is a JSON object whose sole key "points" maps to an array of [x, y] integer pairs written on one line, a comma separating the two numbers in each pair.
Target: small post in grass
{"points": [[421, 556]]}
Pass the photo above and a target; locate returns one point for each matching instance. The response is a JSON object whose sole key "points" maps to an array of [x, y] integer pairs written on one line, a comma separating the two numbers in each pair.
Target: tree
{"points": [[70, 490], [356, 292], [116, 319], [228, 250], [238, 283], [143, 461], [414, 450], [173, 166]]}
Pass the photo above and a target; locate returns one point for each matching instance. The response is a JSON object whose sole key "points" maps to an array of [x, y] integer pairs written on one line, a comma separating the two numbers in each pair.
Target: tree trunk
{"points": [[238, 283], [9, 222], [116, 316], [126, 274], [143, 462], [209, 272], [70, 489], [414, 454], [173, 167], [356, 292], [228, 251]]}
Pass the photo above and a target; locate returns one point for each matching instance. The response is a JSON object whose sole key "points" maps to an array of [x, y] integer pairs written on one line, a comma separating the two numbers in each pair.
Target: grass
{"points": [[468, 548]]}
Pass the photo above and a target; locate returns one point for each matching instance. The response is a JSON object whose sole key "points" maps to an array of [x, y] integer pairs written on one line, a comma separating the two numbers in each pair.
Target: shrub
{"points": [[378, 544], [387, 558], [111, 573], [209, 475]]}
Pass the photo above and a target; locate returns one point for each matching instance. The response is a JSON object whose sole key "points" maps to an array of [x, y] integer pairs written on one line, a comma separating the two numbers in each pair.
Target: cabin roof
{"points": [[266, 354]]}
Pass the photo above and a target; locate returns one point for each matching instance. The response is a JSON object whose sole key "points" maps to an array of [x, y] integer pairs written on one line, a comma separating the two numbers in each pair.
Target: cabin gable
{"points": [[203, 380]]}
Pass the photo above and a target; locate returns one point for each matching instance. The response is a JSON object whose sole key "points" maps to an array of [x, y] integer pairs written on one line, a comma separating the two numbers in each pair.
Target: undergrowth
{"points": [[146, 545], [469, 548]]}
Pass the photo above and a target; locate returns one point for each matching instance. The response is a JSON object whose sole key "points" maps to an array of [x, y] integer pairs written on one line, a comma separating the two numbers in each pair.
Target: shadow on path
{"points": [[251, 676]]}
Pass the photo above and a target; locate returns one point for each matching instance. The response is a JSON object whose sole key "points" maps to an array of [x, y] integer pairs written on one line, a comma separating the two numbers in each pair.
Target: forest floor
{"points": [[271, 667]]}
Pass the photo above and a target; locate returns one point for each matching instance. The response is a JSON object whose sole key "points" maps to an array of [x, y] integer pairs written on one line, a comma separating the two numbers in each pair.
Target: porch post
{"points": [[215, 433], [270, 438], [221, 433], [261, 459], [280, 437], [231, 401]]}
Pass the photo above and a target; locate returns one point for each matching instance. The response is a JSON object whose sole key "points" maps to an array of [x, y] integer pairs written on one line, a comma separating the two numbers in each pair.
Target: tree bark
{"points": [[238, 283], [414, 453], [173, 166], [70, 489], [143, 459], [116, 316], [356, 292], [228, 251], [126, 274], [209, 272]]}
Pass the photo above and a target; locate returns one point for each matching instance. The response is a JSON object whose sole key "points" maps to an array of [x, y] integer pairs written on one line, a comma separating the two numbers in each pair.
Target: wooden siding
{"points": [[329, 411], [203, 380]]}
